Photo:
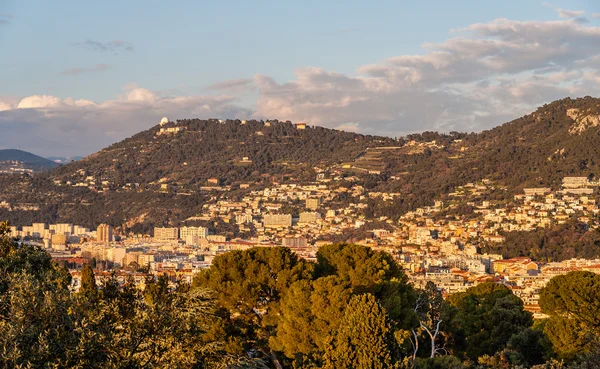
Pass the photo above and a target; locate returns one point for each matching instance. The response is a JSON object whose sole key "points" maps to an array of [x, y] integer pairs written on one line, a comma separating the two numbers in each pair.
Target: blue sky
{"points": [[328, 62]]}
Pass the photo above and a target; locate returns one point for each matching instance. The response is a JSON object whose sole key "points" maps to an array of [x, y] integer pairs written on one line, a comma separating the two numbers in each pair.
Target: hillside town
{"points": [[435, 243]]}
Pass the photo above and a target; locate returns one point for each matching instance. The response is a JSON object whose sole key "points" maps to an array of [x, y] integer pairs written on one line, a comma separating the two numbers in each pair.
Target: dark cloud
{"points": [[114, 46], [78, 71], [6, 18], [233, 84]]}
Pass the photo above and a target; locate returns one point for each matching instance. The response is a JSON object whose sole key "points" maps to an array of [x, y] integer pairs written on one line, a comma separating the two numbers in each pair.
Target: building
{"points": [[277, 220], [243, 219], [294, 242], [59, 241], [192, 235], [104, 233], [300, 125], [163, 233], [62, 228], [38, 230], [536, 191], [309, 217], [575, 182], [313, 203]]}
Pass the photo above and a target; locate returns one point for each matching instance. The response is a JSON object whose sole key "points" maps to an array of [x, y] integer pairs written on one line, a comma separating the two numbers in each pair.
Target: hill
{"points": [[23, 160], [166, 174]]}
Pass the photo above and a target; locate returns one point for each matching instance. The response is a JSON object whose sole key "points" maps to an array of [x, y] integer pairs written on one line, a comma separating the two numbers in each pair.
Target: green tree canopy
{"points": [[249, 285], [573, 303], [487, 316], [365, 338], [310, 313]]}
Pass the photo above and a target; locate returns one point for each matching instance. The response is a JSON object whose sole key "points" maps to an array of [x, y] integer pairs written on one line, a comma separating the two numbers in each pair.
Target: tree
{"points": [[88, 283], [432, 312], [249, 285], [529, 347], [365, 269], [310, 313], [35, 325], [487, 316], [364, 339], [573, 303], [375, 272]]}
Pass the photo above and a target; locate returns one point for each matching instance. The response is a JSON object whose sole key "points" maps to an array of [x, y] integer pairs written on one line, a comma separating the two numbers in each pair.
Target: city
{"points": [[443, 249]]}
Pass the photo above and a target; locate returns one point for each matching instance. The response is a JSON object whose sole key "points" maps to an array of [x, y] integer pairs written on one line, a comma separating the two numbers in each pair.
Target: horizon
{"points": [[62, 160], [386, 69]]}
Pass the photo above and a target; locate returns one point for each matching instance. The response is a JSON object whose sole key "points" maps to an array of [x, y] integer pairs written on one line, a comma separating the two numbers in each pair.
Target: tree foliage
{"points": [[365, 339], [487, 316], [573, 303]]}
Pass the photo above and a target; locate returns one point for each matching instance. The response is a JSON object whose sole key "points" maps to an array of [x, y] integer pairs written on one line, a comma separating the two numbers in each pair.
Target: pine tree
{"points": [[365, 338]]}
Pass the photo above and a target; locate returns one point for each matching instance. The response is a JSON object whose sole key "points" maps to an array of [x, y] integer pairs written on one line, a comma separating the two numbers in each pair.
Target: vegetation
{"points": [[535, 150], [266, 308], [562, 242]]}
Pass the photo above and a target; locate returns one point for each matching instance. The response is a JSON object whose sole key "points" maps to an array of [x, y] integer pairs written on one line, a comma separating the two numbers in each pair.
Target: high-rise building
{"points": [[38, 230], [163, 233], [62, 228], [104, 233]]}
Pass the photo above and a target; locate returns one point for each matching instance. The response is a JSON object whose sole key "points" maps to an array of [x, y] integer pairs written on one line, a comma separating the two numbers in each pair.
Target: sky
{"points": [[76, 76]]}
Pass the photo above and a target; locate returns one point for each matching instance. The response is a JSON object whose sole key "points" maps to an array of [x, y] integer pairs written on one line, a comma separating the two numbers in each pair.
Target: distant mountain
{"points": [[19, 159], [64, 159], [161, 175]]}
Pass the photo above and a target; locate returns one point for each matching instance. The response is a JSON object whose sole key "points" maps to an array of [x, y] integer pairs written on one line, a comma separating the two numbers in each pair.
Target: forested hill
{"points": [[539, 149], [559, 139], [227, 150], [26, 160], [159, 176]]}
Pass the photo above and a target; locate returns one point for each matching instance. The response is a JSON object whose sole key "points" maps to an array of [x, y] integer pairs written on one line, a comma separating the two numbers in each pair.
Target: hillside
{"points": [[18, 159], [230, 151], [167, 173]]}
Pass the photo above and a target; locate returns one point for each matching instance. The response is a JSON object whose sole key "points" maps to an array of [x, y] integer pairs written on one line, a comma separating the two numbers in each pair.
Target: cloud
{"points": [[482, 75], [78, 71], [67, 127], [564, 13], [5, 18], [596, 15], [487, 74], [114, 46], [232, 84]]}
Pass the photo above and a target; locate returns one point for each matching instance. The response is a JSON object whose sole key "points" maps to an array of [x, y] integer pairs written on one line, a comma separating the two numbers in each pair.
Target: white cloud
{"points": [[483, 75], [564, 13], [55, 126], [40, 101], [487, 74]]}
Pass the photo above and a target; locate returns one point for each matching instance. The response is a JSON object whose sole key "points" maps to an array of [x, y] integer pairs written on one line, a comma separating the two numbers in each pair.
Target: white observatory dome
{"points": [[164, 121]]}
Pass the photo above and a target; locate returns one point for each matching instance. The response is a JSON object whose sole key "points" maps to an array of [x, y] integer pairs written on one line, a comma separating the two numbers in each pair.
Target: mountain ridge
{"points": [[25, 160], [165, 174]]}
